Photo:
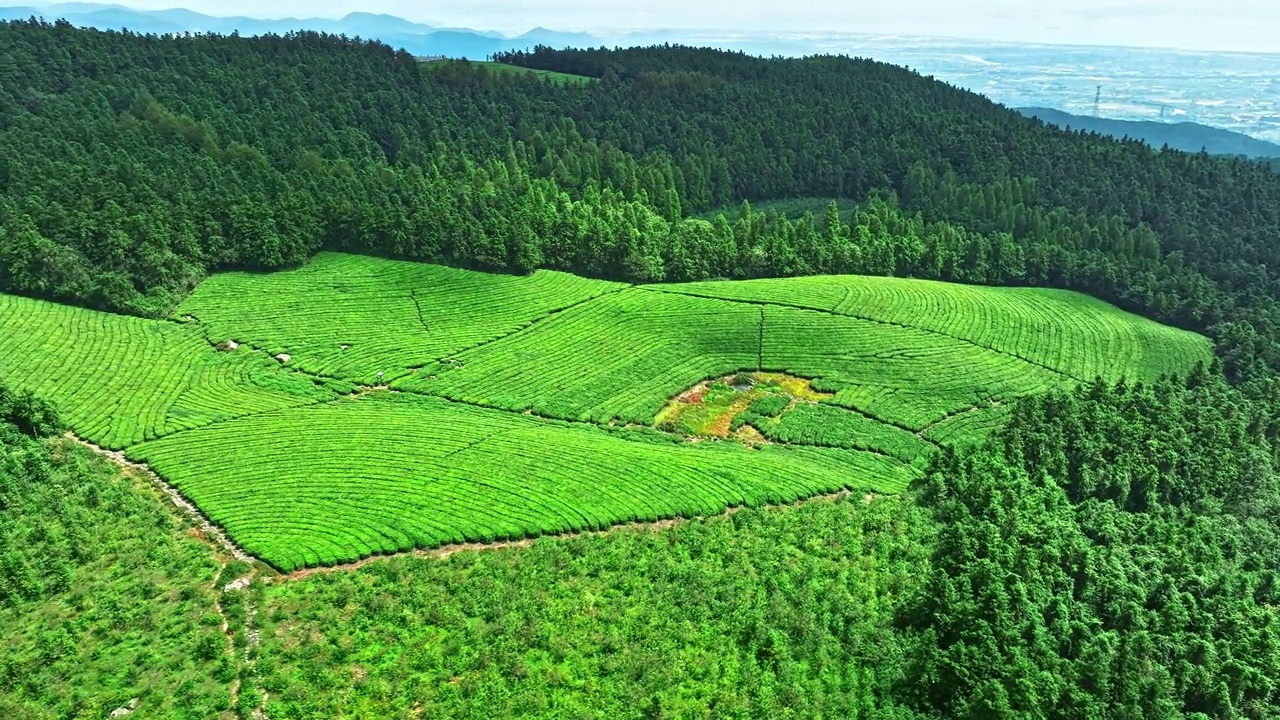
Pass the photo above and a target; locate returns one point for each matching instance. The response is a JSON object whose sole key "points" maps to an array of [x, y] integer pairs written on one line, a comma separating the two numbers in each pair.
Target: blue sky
{"points": [[1250, 25]]}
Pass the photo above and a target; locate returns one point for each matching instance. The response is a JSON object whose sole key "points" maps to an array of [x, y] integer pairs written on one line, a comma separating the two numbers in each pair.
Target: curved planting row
{"points": [[968, 427], [623, 356], [824, 425], [120, 380], [388, 471], [620, 357], [903, 376], [353, 316], [1075, 334]]}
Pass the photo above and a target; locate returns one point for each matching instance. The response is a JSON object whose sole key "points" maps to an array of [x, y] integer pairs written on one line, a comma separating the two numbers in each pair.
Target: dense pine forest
{"points": [[133, 165], [1112, 552]]}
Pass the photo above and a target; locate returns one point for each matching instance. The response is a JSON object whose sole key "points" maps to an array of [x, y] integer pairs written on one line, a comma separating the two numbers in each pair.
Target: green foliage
{"points": [[119, 380], [560, 347], [222, 153], [770, 405], [477, 475], [354, 317], [1110, 553], [769, 613], [102, 594], [28, 414]]}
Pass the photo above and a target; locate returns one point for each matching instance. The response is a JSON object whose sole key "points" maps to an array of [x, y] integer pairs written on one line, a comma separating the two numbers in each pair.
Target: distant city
{"points": [[1233, 91]]}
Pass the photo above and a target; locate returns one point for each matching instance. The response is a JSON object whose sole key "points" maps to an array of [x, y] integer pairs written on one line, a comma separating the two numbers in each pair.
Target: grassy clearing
{"points": [[505, 68], [711, 408]]}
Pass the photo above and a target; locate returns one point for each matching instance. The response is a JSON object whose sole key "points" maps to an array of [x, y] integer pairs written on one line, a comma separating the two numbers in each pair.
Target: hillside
{"points": [[704, 385], [206, 177], [1185, 136], [863, 588], [458, 374]]}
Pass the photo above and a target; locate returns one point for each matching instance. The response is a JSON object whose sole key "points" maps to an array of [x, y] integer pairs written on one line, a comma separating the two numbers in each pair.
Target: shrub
{"points": [[770, 405]]}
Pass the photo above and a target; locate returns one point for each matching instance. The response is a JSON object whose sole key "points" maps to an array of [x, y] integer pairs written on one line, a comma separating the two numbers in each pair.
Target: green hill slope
{"points": [[391, 472], [353, 317], [301, 475], [120, 380], [224, 153]]}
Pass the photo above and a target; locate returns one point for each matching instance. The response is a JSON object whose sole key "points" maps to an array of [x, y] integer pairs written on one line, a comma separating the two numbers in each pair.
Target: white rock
{"points": [[127, 709]]}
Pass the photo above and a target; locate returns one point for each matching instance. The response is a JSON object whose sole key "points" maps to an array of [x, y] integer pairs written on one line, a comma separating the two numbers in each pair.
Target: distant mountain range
{"points": [[417, 38], [1187, 136]]}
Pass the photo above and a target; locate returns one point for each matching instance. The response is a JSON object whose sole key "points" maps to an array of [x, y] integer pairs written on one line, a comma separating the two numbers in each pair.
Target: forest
{"points": [[225, 152], [1111, 551]]}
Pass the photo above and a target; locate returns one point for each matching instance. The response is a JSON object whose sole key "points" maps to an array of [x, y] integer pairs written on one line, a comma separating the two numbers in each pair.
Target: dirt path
{"points": [[203, 523], [226, 629], [215, 534], [444, 551]]}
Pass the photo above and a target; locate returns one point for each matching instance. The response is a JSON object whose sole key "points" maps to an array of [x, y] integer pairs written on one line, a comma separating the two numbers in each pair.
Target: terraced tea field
{"points": [[621, 357], [1064, 331], [351, 316], [509, 406], [120, 380], [393, 471]]}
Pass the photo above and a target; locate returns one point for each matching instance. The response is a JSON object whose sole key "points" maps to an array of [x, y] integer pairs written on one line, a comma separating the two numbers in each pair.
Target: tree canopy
{"points": [[133, 165]]}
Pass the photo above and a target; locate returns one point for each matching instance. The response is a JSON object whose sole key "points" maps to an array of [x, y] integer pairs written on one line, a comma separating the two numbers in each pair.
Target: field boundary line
{"points": [[882, 421], [760, 345], [606, 427], [878, 321], [992, 404], [219, 538], [413, 295], [550, 314], [443, 552], [868, 450]]}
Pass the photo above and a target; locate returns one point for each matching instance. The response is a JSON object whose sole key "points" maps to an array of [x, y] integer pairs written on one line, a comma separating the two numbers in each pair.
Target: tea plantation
{"points": [[358, 406]]}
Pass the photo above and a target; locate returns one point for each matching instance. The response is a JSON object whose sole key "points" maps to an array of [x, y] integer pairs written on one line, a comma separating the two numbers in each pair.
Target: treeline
{"points": [[1112, 553], [130, 166]]}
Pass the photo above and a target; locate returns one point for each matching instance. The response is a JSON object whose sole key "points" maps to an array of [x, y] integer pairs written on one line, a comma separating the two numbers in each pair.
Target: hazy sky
{"points": [[1252, 25]]}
